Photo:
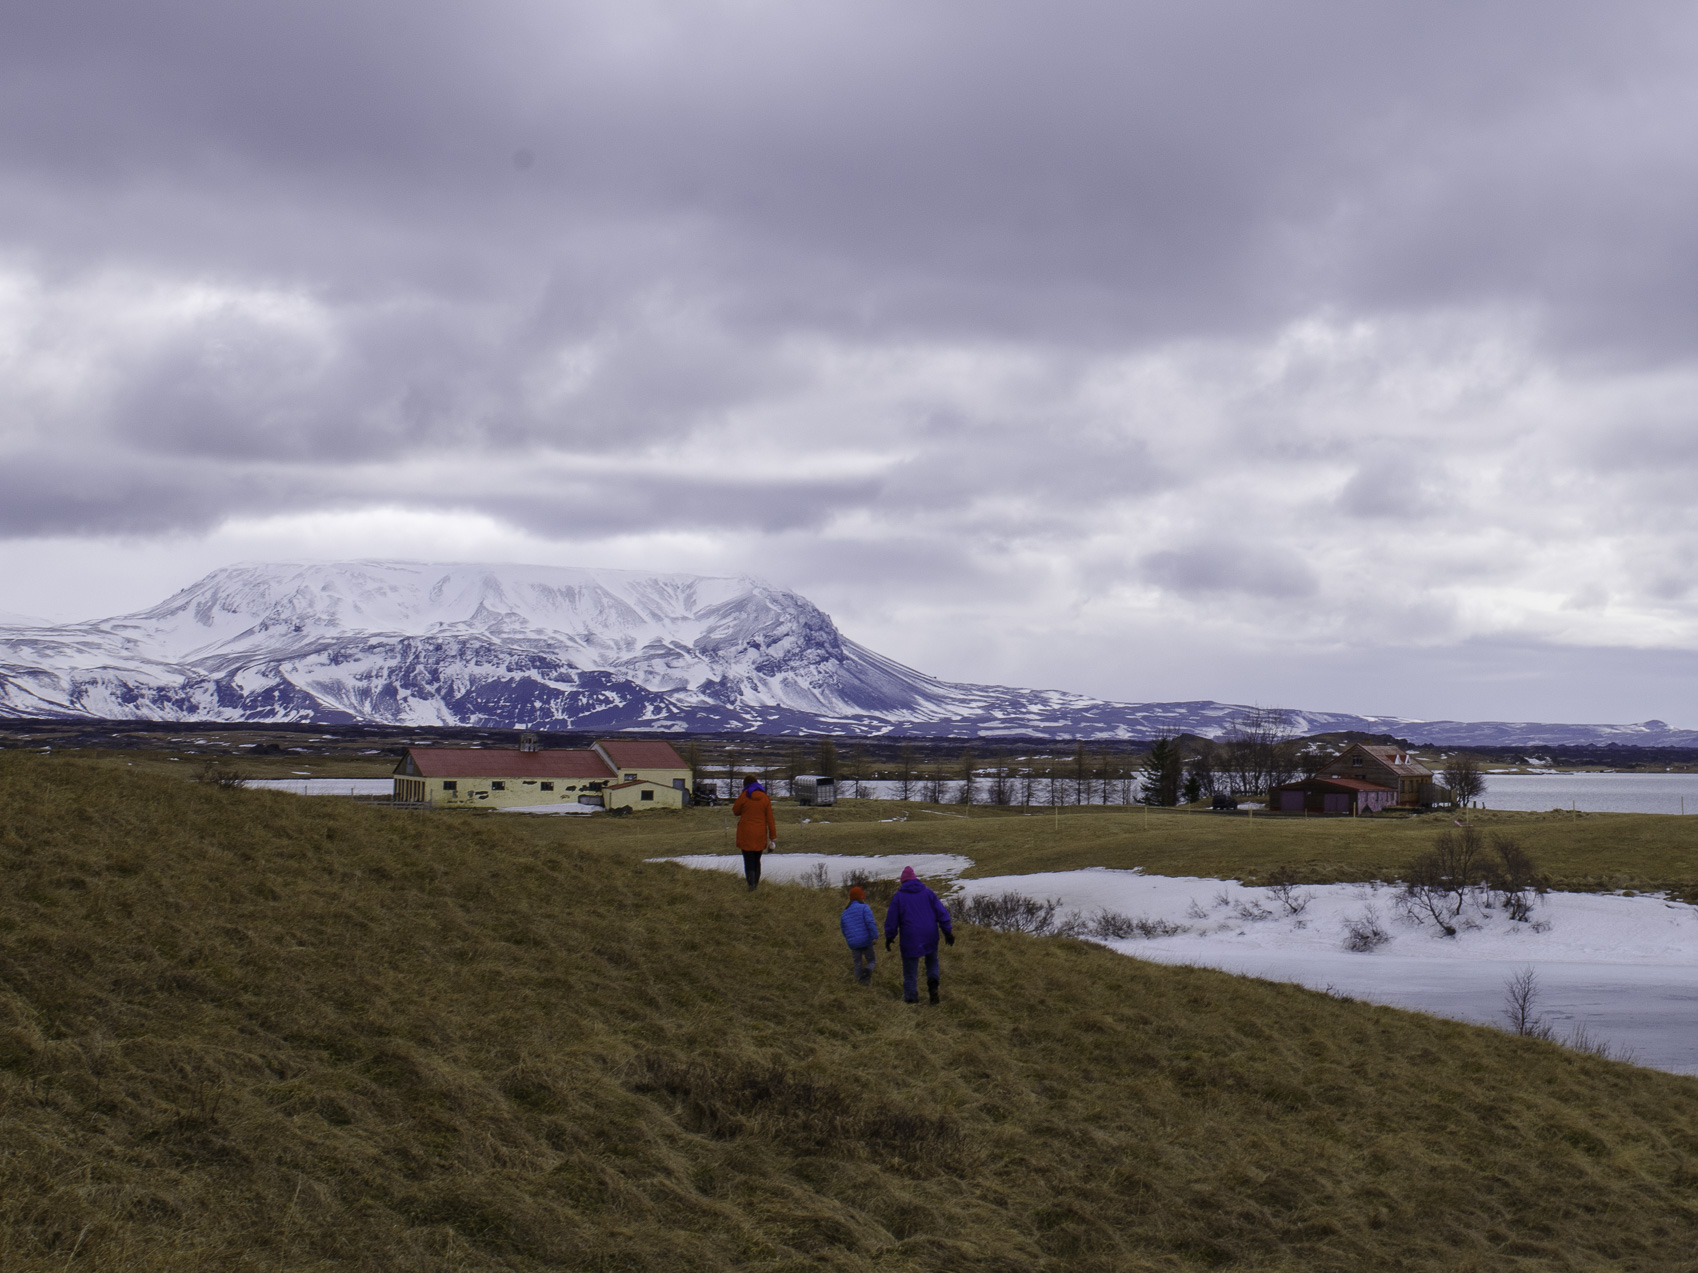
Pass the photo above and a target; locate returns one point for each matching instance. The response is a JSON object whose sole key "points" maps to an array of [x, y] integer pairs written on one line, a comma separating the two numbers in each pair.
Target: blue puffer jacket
{"points": [[916, 913], [859, 927]]}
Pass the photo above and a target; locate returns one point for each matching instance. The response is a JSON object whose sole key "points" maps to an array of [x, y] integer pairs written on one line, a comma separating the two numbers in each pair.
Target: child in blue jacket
{"points": [[860, 930]]}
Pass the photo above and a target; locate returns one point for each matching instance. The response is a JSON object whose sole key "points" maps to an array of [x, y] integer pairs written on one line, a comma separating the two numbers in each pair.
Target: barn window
{"points": [[498, 786], [648, 795], [548, 786], [450, 785], [1356, 760], [630, 777]]}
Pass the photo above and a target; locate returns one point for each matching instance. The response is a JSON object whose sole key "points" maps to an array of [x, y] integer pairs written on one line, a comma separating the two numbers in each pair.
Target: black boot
{"points": [[931, 988]]}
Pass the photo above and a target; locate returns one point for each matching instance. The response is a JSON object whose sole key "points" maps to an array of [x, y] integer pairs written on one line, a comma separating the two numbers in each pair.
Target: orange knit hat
{"points": [[857, 894]]}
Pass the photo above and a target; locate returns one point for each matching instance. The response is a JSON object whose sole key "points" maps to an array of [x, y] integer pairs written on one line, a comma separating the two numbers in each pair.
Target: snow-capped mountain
{"points": [[409, 643]]}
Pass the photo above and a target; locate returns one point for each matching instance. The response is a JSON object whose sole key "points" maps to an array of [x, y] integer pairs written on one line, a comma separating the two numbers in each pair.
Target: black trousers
{"points": [[752, 868]]}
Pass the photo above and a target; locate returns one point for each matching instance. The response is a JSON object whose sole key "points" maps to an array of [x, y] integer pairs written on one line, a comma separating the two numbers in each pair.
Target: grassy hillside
{"points": [[241, 1030]]}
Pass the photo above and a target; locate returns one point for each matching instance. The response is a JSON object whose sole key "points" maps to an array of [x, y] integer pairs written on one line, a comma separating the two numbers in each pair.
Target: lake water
{"points": [[1595, 793]]}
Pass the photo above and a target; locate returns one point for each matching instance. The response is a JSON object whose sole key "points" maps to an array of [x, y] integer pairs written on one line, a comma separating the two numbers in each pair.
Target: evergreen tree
{"points": [[1163, 770]]}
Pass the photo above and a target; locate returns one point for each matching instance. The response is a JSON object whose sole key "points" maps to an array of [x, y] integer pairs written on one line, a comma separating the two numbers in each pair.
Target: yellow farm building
{"points": [[613, 773]]}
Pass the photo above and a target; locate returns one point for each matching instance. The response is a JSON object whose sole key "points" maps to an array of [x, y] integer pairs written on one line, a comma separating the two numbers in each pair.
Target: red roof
{"points": [[1354, 784], [641, 753], [506, 762]]}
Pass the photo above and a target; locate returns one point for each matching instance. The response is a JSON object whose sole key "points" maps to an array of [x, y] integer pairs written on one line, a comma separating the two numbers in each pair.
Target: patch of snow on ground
{"points": [[786, 867], [566, 807], [325, 786]]}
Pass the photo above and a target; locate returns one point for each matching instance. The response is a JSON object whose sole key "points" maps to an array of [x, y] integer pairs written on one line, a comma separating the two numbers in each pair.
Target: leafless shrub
{"points": [[878, 890], [1440, 881], [1113, 925], [816, 876], [1513, 879], [1194, 911], [1282, 885], [1363, 933], [1252, 911], [1011, 913], [218, 775], [1521, 1006], [1582, 1040]]}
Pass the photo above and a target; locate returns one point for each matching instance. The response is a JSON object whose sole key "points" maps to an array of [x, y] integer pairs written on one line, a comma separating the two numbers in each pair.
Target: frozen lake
{"points": [[1594, 793], [1624, 968]]}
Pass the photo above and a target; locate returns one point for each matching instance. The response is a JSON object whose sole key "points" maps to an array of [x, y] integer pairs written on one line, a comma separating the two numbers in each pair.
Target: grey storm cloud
{"points": [[1217, 289]]}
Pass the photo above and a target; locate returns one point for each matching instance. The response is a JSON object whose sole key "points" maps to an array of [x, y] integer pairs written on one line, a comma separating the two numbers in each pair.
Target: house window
{"points": [[647, 794], [450, 785], [1356, 760], [630, 777], [548, 786], [498, 786]]}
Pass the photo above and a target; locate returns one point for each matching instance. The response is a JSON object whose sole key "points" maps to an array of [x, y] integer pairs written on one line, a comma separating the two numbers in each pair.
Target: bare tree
{"points": [[1081, 774], [905, 782], [965, 795], [933, 785], [1259, 752], [1463, 776], [1521, 1006], [827, 758], [1028, 783], [859, 760], [1001, 783]]}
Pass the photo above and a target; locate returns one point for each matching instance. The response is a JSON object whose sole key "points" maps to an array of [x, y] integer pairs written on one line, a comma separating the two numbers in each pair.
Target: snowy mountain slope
{"points": [[418, 644]]}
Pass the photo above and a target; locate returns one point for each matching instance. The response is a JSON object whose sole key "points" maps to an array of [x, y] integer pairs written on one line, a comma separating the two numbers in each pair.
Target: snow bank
{"points": [[570, 806], [785, 867]]}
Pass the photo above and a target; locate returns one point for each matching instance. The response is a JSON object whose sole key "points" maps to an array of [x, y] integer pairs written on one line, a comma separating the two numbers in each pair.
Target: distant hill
{"points": [[505, 646]]}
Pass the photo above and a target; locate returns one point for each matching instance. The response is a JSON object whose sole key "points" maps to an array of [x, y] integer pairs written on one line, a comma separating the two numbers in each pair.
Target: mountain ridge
{"points": [[420, 643]]}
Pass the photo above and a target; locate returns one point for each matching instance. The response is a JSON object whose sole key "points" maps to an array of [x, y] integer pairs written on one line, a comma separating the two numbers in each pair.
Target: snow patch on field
{"points": [[789, 867]]}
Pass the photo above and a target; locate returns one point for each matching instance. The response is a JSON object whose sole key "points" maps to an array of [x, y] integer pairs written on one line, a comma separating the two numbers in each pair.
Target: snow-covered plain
{"points": [[1624, 968]]}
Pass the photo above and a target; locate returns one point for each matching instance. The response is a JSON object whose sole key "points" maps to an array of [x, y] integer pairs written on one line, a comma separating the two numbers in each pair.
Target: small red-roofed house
{"points": [[645, 759]]}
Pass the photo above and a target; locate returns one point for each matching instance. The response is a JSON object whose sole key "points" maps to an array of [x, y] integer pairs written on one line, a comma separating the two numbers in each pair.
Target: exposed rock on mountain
{"points": [[596, 650]]}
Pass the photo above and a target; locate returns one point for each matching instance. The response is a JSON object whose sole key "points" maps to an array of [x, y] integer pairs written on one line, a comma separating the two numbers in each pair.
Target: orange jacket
{"points": [[755, 825]]}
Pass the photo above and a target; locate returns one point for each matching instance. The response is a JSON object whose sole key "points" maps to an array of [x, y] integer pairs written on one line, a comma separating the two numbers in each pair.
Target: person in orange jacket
{"points": [[757, 833]]}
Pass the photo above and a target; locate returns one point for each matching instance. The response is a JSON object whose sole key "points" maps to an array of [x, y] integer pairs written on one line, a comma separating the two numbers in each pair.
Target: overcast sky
{"points": [[1338, 355]]}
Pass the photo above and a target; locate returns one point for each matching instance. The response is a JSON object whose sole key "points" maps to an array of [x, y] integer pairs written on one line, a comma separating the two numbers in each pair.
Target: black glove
{"points": [[887, 942], [948, 938]]}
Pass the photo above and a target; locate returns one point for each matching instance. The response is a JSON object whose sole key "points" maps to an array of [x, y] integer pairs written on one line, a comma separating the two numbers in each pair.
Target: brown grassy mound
{"points": [[244, 1030]]}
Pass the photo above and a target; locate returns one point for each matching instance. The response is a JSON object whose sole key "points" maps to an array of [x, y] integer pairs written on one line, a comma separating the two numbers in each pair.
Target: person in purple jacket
{"points": [[917, 914]]}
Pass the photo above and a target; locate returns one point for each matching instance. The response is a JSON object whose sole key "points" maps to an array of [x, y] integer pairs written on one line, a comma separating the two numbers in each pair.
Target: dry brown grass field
{"points": [[244, 1030]]}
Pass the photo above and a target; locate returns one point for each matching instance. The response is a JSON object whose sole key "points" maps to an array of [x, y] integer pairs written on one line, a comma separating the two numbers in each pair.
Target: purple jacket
{"points": [[916, 913]]}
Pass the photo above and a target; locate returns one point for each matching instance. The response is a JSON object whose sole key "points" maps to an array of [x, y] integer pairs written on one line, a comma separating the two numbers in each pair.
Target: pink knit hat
{"points": [[908, 874]]}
